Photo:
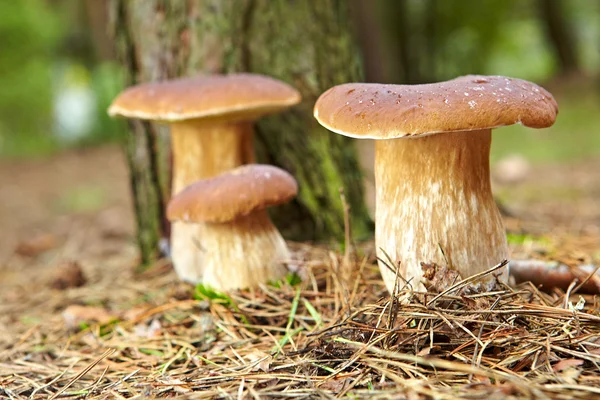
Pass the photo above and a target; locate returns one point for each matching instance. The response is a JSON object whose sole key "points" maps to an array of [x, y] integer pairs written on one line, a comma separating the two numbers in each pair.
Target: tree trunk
{"points": [[305, 43], [560, 35], [143, 152], [403, 32], [367, 21]]}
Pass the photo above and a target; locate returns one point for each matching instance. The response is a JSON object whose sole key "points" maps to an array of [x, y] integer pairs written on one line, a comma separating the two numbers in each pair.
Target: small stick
{"points": [[83, 372], [346, 269], [551, 275]]}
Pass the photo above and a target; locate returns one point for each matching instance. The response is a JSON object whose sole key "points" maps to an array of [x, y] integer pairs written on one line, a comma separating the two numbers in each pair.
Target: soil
{"points": [[80, 199], [73, 208]]}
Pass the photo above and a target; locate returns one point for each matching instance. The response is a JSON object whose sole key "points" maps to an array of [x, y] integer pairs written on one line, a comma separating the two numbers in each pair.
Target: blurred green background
{"points": [[58, 74]]}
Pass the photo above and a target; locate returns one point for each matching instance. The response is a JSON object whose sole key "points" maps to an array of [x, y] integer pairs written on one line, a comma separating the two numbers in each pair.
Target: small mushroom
{"points": [[433, 195], [211, 120], [241, 247]]}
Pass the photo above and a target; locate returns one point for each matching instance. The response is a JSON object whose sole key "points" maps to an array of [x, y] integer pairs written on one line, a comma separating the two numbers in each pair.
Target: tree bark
{"points": [[560, 35], [404, 35], [141, 147], [305, 43], [366, 17]]}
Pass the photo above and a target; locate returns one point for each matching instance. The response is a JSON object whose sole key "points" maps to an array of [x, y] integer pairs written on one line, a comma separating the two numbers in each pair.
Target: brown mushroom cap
{"points": [[241, 96], [233, 194], [378, 111]]}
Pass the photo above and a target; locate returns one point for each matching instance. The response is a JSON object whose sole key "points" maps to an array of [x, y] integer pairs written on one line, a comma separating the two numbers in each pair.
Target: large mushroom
{"points": [[241, 246], [434, 203], [211, 123]]}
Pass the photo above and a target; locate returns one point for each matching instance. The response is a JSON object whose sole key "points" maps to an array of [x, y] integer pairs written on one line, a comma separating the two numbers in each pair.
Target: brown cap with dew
{"points": [[237, 95], [378, 111], [233, 194]]}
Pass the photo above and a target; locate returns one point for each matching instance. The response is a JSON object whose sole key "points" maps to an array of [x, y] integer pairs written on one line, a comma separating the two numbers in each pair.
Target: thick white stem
{"points": [[435, 205], [202, 150], [242, 253]]}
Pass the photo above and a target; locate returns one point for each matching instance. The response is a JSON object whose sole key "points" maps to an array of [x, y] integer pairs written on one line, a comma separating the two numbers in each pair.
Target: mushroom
{"points": [[434, 203], [241, 246], [211, 120]]}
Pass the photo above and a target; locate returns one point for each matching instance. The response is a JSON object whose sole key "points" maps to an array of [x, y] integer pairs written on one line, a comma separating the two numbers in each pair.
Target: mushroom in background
{"points": [[211, 122], [434, 199], [240, 245]]}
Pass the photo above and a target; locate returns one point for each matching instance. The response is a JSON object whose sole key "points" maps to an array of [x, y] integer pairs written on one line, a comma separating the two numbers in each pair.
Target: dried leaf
{"points": [[566, 363], [438, 278], [178, 385], [134, 313], [470, 303], [507, 389], [36, 245], [74, 315], [69, 275], [265, 360], [335, 385], [595, 351], [153, 329], [424, 352]]}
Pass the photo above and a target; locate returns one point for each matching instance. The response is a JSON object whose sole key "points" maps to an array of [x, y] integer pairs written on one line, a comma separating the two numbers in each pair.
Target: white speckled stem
{"points": [[434, 192], [242, 253], [202, 149]]}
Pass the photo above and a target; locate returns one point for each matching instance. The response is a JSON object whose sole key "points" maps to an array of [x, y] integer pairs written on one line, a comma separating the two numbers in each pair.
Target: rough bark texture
{"points": [[141, 148], [305, 43]]}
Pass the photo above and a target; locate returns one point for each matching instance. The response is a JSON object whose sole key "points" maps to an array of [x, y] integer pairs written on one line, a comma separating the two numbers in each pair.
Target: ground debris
{"points": [[305, 341], [36, 245], [75, 315], [567, 363], [68, 275], [438, 278]]}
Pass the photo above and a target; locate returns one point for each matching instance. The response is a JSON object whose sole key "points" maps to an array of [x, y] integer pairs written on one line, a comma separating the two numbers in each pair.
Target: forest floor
{"points": [[77, 322]]}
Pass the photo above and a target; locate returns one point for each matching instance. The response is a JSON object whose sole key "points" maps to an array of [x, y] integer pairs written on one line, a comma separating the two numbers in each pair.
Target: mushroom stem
{"points": [[242, 253], [202, 149], [435, 205]]}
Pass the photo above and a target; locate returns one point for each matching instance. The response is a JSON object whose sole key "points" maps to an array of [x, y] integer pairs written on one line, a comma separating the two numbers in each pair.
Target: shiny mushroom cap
{"points": [[379, 111], [233, 194], [235, 96]]}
